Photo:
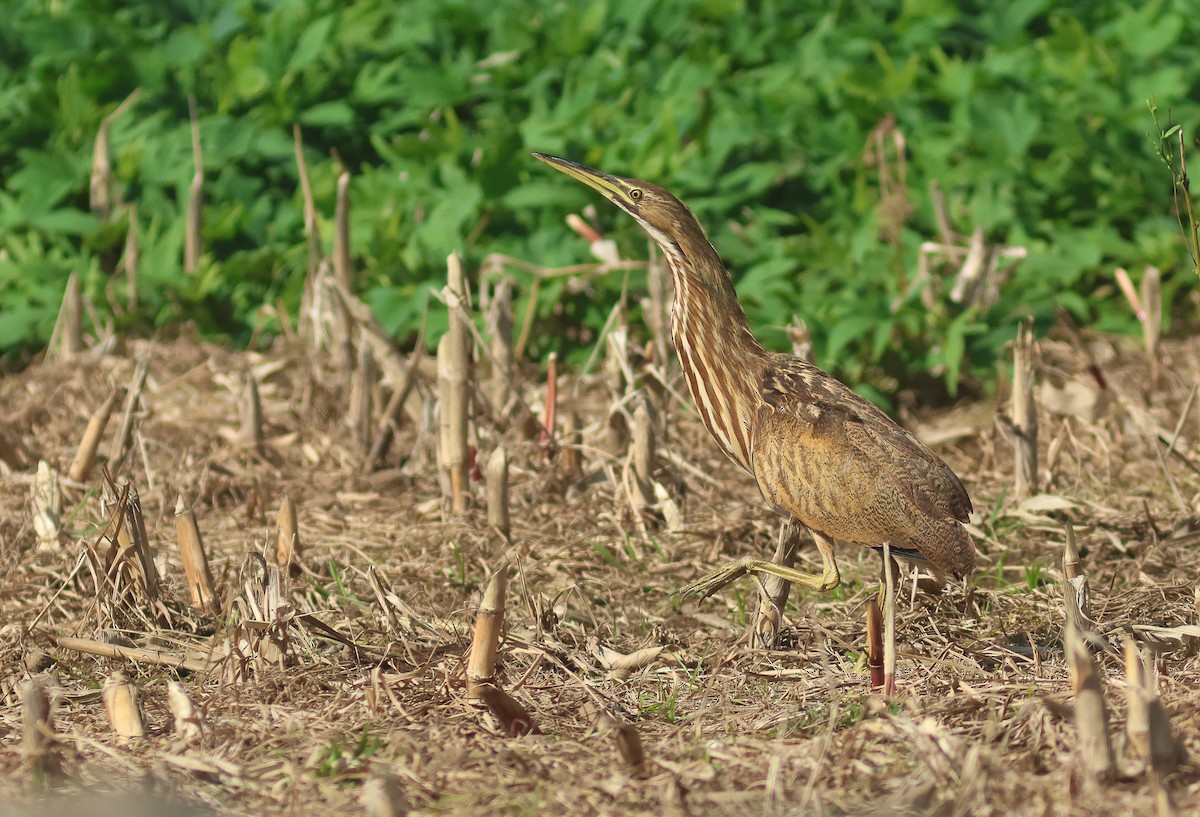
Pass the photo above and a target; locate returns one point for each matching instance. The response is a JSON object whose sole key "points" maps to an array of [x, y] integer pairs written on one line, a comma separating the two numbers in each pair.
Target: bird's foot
{"points": [[718, 579]]}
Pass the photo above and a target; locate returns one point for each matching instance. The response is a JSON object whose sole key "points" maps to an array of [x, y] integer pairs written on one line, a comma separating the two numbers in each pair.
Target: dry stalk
{"points": [[132, 536], [362, 385], [40, 745], [383, 796], [12, 453], [570, 444], [623, 666], [628, 740], [452, 419], [500, 327], [46, 506], [138, 655], [1076, 595], [1152, 322], [1095, 752], [775, 591], [130, 259], [497, 492], [287, 539], [341, 233], [1024, 413], [658, 280], [122, 702], [250, 435], [121, 443], [489, 622], [66, 340], [195, 561], [386, 429], [85, 456], [193, 246], [513, 718], [100, 190], [549, 419], [644, 458], [1147, 725], [454, 363], [189, 721]]}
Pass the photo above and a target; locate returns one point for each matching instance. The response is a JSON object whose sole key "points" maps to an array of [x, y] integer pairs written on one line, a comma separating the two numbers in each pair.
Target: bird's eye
{"points": [[635, 194]]}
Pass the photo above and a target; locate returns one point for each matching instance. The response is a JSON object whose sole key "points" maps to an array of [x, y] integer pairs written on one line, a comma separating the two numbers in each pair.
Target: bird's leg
{"points": [[828, 579], [889, 620], [775, 590]]}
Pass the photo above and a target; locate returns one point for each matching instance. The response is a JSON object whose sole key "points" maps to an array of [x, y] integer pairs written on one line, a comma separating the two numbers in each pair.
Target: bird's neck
{"points": [[720, 357]]}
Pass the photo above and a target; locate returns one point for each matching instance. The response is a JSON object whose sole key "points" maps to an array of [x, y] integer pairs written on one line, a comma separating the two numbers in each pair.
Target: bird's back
{"points": [[834, 461]]}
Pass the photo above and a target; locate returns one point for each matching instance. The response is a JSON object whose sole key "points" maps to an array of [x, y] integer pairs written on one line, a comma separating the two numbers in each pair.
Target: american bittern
{"points": [[821, 454]]}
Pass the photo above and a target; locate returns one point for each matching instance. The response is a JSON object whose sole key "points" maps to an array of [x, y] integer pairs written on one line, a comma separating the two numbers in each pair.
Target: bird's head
{"points": [[663, 216]]}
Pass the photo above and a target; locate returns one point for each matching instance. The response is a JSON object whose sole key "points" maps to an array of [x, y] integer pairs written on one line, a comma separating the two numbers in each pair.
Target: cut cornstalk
{"points": [[1076, 594], [1152, 322], [497, 492], [1147, 724], [193, 246], [644, 457], [570, 443], [341, 233], [251, 433], [489, 623], [287, 540], [189, 721], [776, 590], [629, 742], [658, 280], [66, 341], [548, 421], [500, 327], [100, 189], [363, 383], [1024, 413], [130, 259], [383, 796], [454, 363], [513, 718], [195, 561], [47, 507], [122, 702], [85, 456], [38, 727], [1091, 715]]}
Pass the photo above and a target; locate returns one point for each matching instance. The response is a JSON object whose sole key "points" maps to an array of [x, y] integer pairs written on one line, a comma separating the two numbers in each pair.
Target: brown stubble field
{"points": [[359, 701]]}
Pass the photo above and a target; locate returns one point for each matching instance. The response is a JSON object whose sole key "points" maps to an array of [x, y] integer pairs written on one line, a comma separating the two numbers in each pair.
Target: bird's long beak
{"points": [[602, 182]]}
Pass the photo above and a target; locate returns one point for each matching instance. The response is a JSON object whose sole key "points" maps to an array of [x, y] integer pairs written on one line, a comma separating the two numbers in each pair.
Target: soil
{"points": [[350, 692]]}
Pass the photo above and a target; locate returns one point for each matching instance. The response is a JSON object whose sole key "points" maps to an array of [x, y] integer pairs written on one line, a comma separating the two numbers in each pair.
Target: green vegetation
{"points": [[1030, 115]]}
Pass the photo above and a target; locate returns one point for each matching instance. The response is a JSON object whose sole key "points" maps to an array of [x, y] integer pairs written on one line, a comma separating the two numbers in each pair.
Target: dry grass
{"points": [[371, 685]]}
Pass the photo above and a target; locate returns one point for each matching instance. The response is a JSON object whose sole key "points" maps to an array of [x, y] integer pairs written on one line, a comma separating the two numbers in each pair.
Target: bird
{"points": [[821, 454]]}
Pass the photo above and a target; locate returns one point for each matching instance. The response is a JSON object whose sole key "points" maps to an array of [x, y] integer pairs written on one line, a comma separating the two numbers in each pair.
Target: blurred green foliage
{"points": [[1031, 116]]}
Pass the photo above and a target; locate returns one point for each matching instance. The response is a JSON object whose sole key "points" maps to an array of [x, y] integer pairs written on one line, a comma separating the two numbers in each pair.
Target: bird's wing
{"points": [[843, 467], [799, 389]]}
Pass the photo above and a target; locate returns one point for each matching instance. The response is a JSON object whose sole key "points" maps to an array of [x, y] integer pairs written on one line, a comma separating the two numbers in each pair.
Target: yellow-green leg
{"points": [[828, 578]]}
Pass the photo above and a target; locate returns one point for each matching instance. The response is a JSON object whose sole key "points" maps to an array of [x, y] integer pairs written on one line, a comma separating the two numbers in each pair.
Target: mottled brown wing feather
{"points": [[844, 468]]}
